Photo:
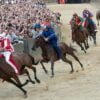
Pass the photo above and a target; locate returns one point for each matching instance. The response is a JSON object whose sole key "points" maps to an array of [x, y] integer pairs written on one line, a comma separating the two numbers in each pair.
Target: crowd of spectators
{"points": [[18, 20]]}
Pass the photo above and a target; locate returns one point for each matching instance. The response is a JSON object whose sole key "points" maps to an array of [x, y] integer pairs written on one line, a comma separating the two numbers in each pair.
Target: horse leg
{"points": [[94, 38], [82, 48], [86, 45], [52, 68], [35, 74], [18, 81], [98, 22], [76, 58], [69, 62], [45, 70], [26, 72], [18, 86]]}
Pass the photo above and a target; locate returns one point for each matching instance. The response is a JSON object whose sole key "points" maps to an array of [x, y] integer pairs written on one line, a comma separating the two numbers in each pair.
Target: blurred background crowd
{"points": [[17, 19]]}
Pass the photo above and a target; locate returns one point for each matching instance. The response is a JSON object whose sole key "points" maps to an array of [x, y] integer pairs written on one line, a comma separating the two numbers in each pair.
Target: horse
{"points": [[91, 29], [80, 36], [98, 16], [7, 73], [49, 54]]}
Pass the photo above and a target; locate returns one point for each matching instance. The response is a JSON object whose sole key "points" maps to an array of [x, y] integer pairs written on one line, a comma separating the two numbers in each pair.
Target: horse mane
{"points": [[45, 47]]}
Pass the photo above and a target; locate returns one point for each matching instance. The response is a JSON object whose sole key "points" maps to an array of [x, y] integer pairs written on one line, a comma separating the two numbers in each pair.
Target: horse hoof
{"points": [[32, 82], [27, 81], [76, 70], [85, 52], [25, 96], [38, 81], [87, 47], [71, 72], [52, 76]]}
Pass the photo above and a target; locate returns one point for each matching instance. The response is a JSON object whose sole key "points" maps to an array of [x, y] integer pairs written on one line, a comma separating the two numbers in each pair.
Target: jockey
{"points": [[88, 18], [37, 30], [78, 20], [6, 49], [50, 36]]}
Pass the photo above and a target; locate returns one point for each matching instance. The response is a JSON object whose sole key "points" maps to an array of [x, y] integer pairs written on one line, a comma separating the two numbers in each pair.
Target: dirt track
{"points": [[81, 85]]}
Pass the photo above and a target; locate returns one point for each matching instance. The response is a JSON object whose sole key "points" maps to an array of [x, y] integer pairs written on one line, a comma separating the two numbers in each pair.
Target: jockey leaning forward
{"points": [[88, 18], [78, 20], [6, 49], [50, 36]]}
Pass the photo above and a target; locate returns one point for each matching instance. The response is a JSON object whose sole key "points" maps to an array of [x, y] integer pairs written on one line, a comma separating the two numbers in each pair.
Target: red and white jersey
{"points": [[6, 44]]}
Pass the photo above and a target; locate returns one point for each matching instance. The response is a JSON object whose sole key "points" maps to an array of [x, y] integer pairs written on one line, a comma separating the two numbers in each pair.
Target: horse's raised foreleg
{"points": [[17, 85], [69, 62]]}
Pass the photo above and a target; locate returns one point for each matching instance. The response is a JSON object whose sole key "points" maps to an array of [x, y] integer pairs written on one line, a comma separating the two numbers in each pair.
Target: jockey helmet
{"points": [[75, 14], [37, 26]]}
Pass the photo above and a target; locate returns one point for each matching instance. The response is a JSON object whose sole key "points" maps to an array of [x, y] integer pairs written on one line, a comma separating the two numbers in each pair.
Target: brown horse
{"points": [[80, 36], [8, 74], [98, 16], [49, 54], [92, 32]]}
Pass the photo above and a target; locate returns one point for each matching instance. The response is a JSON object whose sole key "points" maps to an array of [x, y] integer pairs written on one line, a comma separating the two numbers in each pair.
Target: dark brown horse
{"points": [[92, 32], [49, 54], [98, 16], [8, 74], [80, 36]]}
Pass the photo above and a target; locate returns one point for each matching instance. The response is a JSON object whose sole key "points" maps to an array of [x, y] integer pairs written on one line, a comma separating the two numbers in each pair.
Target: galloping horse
{"points": [[98, 16], [8, 74], [91, 29], [49, 54], [80, 36]]}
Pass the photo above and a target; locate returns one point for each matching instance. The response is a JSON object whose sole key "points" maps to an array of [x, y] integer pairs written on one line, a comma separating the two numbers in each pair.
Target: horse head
{"points": [[38, 42]]}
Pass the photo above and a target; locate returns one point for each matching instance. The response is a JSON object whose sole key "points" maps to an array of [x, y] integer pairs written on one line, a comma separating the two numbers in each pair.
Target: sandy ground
{"points": [[81, 85]]}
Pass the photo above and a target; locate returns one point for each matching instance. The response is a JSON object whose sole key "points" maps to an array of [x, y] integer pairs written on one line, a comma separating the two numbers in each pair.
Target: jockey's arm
{"points": [[7, 45], [51, 36], [81, 21]]}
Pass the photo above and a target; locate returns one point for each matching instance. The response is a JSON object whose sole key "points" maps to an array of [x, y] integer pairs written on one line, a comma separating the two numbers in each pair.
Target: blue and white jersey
{"points": [[36, 34]]}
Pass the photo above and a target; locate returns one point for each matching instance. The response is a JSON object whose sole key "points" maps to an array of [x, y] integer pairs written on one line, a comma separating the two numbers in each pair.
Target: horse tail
{"points": [[69, 48], [33, 60]]}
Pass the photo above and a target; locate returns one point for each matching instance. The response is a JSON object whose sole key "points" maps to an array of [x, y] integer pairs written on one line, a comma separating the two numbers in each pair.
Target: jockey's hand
{"points": [[46, 39]]}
